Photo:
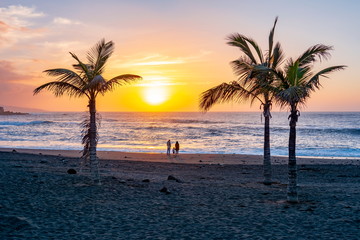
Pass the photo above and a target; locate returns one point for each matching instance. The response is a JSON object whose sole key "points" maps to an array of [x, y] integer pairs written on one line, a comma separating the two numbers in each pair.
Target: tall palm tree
{"points": [[296, 84], [87, 81], [251, 84]]}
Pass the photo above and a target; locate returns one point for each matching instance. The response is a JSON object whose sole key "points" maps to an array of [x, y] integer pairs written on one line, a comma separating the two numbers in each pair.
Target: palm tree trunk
{"points": [[292, 194], [267, 158], [94, 162]]}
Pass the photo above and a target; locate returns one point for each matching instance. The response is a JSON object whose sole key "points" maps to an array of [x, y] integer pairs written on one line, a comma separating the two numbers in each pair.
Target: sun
{"points": [[155, 95]]}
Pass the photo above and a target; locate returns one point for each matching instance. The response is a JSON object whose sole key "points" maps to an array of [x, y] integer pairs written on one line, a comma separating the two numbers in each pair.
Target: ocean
{"points": [[319, 134]]}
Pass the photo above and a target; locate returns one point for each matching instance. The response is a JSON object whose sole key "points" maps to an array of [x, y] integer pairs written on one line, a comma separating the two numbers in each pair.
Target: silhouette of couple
{"points": [[175, 149]]}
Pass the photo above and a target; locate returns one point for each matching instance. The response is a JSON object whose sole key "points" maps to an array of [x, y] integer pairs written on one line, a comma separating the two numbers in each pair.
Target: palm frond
{"points": [[271, 39], [314, 82], [253, 75], [249, 73], [99, 54], [242, 66], [120, 81], [222, 93], [240, 41], [260, 74], [299, 81], [279, 76], [59, 88], [277, 57], [85, 69], [292, 96], [66, 75], [85, 133], [309, 56], [85, 140], [96, 84], [256, 47], [80, 65], [295, 73]]}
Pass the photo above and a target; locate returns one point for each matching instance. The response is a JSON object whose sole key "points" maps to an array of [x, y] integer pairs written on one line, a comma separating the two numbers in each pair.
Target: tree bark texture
{"points": [[94, 162], [292, 194], [267, 157]]}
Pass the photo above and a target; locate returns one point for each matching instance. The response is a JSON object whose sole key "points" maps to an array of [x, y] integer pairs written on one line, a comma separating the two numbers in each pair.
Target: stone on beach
{"points": [[172, 178], [165, 190], [71, 171]]}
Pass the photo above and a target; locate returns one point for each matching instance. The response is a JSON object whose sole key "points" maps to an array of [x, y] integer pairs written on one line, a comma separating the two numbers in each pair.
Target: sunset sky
{"points": [[177, 46]]}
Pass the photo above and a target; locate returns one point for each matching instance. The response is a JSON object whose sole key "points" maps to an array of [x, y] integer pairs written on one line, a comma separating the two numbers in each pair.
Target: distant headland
{"points": [[3, 112]]}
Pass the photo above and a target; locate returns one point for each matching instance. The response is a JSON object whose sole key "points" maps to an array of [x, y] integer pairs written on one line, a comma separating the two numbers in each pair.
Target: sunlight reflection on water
{"points": [[319, 134]]}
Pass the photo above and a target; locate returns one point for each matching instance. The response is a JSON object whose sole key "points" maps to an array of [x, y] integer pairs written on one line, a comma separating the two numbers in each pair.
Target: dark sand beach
{"points": [[210, 197]]}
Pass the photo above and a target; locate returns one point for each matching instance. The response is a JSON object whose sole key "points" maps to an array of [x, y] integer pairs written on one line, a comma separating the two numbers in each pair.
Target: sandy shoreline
{"points": [[40, 200], [188, 158]]}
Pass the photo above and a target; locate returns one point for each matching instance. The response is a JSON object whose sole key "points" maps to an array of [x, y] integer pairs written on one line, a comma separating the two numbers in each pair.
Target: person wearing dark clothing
{"points": [[168, 144], [177, 147]]}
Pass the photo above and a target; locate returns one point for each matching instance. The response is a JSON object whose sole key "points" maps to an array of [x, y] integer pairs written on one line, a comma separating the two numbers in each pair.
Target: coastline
{"points": [[234, 132], [189, 158]]}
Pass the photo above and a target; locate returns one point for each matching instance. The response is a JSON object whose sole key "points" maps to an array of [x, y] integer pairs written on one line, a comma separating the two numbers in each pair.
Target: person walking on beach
{"points": [[177, 147], [168, 144]]}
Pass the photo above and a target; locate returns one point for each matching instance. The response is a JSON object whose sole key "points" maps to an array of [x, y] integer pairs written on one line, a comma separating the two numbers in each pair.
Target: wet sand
{"points": [[232, 159], [209, 197]]}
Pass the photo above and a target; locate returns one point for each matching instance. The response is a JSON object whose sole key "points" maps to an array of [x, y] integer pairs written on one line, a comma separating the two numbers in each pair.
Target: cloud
{"points": [[65, 21], [8, 73], [156, 80], [4, 27], [16, 24], [19, 15], [26, 31], [21, 11], [155, 59], [152, 63], [15, 89], [158, 59]]}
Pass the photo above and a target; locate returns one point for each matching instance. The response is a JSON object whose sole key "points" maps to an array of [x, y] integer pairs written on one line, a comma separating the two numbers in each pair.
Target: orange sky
{"points": [[178, 47]]}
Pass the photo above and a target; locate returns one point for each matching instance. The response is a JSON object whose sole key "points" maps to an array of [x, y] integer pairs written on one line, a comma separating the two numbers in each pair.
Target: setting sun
{"points": [[155, 95]]}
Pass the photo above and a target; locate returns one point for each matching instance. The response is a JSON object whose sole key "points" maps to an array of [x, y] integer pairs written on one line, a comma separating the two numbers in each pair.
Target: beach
{"points": [[191, 196], [224, 106]]}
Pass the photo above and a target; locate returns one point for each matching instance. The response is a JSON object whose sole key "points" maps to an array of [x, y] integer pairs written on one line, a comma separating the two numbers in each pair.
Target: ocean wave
{"points": [[9, 123], [215, 132], [315, 131], [152, 128], [190, 121], [194, 128], [113, 139], [109, 120], [332, 134]]}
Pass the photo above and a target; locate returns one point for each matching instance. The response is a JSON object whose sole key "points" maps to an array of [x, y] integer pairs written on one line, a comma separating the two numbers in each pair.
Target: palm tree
{"points": [[87, 81], [296, 84], [250, 85]]}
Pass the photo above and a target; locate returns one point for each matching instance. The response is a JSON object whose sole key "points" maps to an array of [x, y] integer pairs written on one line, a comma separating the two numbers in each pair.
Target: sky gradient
{"points": [[177, 46]]}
